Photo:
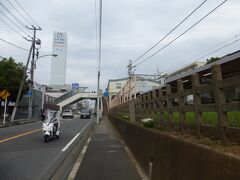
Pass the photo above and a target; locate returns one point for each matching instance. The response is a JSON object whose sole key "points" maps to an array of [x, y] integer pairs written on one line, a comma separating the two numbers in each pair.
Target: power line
{"points": [[18, 12], [14, 23], [216, 50], [171, 31], [19, 21], [221, 43], [182, 33], [211, 52], [27, 13], [19, 47], [11, 27]]}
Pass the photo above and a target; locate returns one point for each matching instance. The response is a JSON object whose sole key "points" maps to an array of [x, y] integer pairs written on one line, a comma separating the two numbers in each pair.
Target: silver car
{"points": [[67, 114]]}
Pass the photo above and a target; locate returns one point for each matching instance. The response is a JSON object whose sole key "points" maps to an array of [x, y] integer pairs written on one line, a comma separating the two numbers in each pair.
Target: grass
{"points": [[209, 118], [123, 116], [234, 119]]}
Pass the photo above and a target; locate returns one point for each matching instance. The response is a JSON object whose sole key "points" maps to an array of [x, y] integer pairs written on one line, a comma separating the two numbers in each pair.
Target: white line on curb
{"points": [[75, 137], [79, 161]]}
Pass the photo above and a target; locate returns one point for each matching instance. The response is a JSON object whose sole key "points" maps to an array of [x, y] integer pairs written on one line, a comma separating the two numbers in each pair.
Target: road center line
{"points": [[19, 135], [74, 138]]}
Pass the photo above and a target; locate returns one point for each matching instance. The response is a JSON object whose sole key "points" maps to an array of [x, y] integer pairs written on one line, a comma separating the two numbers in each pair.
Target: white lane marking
{"points": [[69, 144], [79, 161], [75, 137], [137, 166], [111, 151], [84, 149]]}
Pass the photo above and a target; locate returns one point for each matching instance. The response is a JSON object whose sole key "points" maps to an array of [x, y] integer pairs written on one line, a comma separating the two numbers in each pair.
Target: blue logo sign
{"points": [[75, 85]]}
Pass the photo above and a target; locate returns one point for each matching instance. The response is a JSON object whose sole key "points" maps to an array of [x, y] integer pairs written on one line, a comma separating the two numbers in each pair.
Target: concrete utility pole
{"points": [[99, 60], [130, 72], [32, 73], [31, 51], [21, 85]]}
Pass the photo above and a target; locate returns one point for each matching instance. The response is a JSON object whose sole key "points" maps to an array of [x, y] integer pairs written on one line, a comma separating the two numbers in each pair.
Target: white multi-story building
{"points": [[58, 67]]}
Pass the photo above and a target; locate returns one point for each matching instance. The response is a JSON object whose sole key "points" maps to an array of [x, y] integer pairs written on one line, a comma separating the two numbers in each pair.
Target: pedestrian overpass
{"points": [[74, 96]]}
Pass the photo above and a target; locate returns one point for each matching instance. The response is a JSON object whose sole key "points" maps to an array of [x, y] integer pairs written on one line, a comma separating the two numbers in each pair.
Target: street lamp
{"points": [[33, 66], [53, 55]]}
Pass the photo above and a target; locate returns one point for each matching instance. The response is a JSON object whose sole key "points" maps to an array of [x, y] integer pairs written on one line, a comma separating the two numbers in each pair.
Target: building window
{"points": [[118, 87]]}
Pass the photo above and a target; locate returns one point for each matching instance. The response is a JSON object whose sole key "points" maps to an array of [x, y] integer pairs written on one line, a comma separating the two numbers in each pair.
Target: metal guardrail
{"points": [[69, 94]]}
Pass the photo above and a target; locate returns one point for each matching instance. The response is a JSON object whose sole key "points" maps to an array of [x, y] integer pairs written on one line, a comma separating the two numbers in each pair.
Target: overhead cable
{"points": [[19, 21], [12, 28], [14, 23], [19, 12], [182, 33], [170, 31], [27, 13], [217, 45], [218, 49], [19, 47], [208, 52]]}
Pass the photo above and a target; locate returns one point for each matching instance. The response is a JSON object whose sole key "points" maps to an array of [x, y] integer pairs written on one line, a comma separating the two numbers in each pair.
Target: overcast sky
{"points": [[129, 28]]}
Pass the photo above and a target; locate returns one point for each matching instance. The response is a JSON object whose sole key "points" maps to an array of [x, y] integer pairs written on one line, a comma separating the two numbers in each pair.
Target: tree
{"points": [[11, 74], [212, 59]]}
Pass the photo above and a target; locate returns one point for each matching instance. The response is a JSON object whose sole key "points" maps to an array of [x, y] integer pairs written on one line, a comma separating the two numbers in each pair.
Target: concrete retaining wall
{"points": [[175, 159]]}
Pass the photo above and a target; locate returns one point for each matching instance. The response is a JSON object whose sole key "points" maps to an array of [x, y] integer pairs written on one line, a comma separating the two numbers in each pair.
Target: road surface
{"points": [[25, 155]]}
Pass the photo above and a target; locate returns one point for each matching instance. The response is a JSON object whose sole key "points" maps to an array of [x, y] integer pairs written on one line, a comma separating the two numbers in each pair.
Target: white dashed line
{"points": [[75, 137]]}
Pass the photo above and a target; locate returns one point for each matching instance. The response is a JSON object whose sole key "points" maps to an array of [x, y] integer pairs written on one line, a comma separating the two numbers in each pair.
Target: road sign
{"points": [[29, 93], [75, 85], [4, 94]]}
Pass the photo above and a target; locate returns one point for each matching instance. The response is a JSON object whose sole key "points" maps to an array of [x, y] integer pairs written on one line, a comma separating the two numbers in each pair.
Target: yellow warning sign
{"points": [[4, 94]]}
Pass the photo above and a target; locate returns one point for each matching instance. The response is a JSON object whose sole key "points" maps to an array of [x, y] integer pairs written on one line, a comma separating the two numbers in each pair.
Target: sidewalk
{"points": [[105, 157], [16, 122]]}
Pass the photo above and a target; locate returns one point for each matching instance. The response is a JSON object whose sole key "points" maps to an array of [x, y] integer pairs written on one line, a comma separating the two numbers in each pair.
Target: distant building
{"points": [[59, 88], [186, 68], [58, 66], [122, 90], [115, 85], [22, 110]]}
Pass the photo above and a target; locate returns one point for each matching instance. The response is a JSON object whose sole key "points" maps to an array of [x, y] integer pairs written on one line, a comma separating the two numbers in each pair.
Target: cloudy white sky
{"points": [[129, 28]]}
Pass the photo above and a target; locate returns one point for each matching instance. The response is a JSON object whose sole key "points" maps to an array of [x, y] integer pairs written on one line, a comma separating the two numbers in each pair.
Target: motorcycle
{"points": [[51, 125]]}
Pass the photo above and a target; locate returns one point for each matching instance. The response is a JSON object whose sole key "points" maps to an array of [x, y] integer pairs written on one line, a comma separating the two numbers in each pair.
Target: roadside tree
{"points": [[11, 74]]}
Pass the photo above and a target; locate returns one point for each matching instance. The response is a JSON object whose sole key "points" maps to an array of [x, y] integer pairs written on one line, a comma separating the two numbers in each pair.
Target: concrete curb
{"points": [[18, 122]]}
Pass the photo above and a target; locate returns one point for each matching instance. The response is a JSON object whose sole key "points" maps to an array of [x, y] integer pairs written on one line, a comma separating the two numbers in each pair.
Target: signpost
{"points": [[4, 95]]}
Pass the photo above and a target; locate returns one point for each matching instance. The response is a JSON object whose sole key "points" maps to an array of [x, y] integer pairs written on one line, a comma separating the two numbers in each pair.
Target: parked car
{"points": [[67, 114], [85, 113]]}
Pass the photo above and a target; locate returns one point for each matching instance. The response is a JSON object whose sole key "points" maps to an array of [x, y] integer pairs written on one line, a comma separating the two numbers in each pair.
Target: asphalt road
{"points": [[25, 155]]}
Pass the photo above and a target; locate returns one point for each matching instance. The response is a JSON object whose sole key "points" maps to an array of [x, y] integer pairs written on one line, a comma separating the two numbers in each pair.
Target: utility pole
{"points": [[31, 51], [99, 60], [32, 73], [21, 85], [130, 75], [130, 69]]}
